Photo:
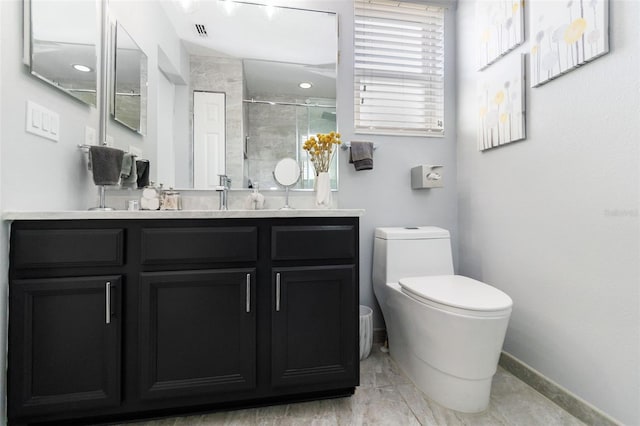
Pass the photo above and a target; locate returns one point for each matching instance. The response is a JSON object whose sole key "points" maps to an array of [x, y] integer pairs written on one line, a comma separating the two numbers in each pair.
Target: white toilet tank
{"points": [[410, 252]]}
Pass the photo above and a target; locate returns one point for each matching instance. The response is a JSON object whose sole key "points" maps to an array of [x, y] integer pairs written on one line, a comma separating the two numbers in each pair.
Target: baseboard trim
{"points": [[569, 402]]}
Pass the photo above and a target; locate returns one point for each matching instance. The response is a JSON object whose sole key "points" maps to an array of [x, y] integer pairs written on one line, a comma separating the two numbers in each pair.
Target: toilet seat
{"points": [[457, 294]]}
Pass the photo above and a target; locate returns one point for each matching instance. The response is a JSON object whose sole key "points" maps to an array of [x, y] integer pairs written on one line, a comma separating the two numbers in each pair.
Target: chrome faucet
{"points": [[223, 189]]}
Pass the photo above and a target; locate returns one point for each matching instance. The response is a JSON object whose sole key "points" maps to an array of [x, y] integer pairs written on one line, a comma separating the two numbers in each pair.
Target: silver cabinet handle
{"points": [[107, 302], [278, 292], [248, 292]]}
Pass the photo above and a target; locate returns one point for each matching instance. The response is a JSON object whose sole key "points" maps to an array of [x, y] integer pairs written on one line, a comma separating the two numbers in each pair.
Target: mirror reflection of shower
{"points": [[277, 128]]}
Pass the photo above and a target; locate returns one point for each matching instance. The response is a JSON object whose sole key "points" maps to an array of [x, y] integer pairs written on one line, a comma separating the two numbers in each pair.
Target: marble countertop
{"points": [[179, 214]]}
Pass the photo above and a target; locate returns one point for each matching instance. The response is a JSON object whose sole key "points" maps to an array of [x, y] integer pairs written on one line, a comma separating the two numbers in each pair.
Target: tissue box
{"points": [[427, 176]]}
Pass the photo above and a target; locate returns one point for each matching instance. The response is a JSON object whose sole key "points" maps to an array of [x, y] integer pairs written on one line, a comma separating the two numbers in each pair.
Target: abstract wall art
{"points": [[501, 115], [499, 28], [566, 34]]}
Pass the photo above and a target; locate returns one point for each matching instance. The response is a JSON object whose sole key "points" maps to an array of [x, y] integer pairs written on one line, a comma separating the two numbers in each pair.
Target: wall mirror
{"points": [[277, 69], [61, 39], [129, 88]]}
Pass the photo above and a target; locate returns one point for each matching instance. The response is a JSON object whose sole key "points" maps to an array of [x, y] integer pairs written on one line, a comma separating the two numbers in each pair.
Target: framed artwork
{"points": [[501, 115], [499, 28], [566, 34]]}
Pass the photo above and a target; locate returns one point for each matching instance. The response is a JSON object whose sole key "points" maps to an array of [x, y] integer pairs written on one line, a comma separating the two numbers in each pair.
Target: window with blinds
{"points": [[399, 68]]}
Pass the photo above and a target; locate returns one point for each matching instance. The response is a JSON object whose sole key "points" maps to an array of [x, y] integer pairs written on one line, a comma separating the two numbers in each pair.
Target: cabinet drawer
{"points": [[49, 248], [313, 242], [199, 245]]}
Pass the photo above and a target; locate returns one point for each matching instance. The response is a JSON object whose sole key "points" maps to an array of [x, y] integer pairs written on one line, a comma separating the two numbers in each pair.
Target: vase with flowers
{"points": [[321, 149]]}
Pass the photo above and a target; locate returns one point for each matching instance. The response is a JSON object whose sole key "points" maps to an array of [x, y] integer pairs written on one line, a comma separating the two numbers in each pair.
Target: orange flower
{"points": [[321, 150]]}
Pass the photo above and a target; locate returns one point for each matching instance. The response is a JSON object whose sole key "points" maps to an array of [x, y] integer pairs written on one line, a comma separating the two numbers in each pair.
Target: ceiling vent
{"points": [[201, 30]]}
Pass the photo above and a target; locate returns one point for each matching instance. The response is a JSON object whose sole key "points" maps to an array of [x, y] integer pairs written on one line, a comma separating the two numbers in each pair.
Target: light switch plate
{"points": [[42, 121]]}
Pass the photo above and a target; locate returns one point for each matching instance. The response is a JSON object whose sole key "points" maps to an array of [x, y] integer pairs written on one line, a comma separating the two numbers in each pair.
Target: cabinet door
{"points": [[314, 320], [64, 345], [197, 332]]}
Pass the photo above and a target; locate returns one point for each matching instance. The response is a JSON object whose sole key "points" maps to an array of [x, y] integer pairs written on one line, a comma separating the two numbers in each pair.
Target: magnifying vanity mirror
{"points": [[61, 45], [287, 174]]}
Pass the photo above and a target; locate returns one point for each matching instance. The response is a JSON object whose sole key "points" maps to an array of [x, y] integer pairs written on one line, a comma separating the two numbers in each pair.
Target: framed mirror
{"points": [[279, 81], [61, 45], [129, 88]]}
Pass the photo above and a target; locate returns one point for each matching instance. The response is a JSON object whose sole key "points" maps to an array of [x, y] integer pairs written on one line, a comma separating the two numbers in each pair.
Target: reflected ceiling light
{"points": [[81, 68], [229, 6], [270, 10], [188, 6], [305, 85]]}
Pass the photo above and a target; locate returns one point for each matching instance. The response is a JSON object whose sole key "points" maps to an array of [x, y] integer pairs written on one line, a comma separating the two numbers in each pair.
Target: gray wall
{"points": [[553, 220]]}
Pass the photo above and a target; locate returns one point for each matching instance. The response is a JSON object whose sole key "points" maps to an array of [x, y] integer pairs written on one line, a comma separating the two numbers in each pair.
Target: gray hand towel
{"points": [[106, 164], [361, 155], [129, 171]]}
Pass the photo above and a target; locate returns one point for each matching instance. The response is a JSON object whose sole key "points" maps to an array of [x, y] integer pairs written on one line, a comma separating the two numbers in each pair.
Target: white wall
{"points": [[38, 173], [553, 220], [3, 274], [148, 25]]}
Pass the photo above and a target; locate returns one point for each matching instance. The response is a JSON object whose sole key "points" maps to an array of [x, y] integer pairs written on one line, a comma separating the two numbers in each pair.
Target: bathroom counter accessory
{"points": [[180, 214]]}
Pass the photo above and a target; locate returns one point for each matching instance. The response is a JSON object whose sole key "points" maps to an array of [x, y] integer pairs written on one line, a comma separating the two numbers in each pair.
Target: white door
{"points": [[208, 138]]}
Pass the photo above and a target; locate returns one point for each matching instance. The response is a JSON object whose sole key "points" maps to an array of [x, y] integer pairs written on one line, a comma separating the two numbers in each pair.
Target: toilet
{"points": [[445, 331]]}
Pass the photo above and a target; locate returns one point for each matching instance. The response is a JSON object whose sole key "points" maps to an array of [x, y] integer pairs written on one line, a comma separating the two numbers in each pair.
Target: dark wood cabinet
{"points": [[313, 325], [197, 332], [112, 320], [64, 345]]}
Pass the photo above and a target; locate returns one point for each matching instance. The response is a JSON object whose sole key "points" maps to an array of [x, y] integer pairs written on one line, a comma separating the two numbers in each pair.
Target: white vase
{"points": [[323, 190]]}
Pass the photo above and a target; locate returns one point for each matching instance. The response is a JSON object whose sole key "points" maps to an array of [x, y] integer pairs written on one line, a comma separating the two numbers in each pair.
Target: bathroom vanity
{"points": [[124, 315]]}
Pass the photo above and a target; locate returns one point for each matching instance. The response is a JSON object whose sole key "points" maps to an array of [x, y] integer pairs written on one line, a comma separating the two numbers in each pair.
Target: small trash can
{"points": [[366, 331]]}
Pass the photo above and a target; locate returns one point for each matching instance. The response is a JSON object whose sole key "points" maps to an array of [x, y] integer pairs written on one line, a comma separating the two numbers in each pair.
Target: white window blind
{"points": [[399, 68]]}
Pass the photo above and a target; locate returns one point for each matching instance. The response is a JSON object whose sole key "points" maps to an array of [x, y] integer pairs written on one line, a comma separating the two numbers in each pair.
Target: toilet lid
{"points": [[457, 291]]}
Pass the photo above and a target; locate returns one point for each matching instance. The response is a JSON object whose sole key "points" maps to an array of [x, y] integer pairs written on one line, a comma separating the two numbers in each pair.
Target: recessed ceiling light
{"points": [[305, 85], [81, 68]]}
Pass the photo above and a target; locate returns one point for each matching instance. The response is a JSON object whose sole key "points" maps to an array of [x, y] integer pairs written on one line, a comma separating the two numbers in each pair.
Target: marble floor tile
{"points": [[386, 396]]}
